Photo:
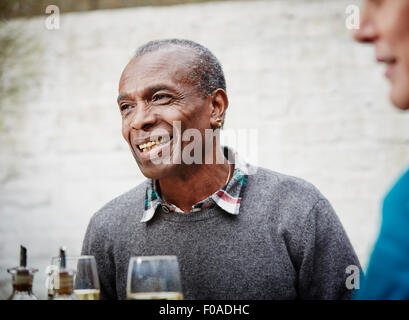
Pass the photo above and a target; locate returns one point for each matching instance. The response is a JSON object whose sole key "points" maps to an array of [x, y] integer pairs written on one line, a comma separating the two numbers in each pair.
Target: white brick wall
{"points": [[318, 99]]}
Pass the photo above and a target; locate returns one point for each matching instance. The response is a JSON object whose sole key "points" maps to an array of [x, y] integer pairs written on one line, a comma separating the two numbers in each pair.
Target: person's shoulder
{"points": [[128, 203], [293, 202], [395, 202], [400, 189], [286, 187]]}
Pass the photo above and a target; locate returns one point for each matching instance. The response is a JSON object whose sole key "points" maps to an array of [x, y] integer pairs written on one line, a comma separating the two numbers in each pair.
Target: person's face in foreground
{"points": [[385, 23], [154, 92]]}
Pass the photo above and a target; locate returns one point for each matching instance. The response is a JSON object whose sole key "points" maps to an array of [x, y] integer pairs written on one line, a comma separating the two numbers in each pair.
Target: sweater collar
{"points": [[227, 198]]}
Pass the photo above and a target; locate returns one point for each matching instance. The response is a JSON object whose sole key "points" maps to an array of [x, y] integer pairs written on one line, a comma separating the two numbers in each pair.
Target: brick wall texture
{"points": [[317, 101]]}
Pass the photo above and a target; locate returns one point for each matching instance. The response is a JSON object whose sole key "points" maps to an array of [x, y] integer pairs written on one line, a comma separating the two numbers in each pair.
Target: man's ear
{"points": [[219, 105]]}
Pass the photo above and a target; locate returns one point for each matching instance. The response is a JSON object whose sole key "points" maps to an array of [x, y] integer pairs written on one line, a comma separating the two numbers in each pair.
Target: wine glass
{"points": [[154, 278], [86, 282]]}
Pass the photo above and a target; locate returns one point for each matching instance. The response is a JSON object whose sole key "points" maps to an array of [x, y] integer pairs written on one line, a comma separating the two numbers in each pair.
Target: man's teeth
{"points": [[149, 145]]}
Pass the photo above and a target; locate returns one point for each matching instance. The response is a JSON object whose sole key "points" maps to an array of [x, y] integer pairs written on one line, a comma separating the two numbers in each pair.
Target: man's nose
{"points": [[142, 119]]}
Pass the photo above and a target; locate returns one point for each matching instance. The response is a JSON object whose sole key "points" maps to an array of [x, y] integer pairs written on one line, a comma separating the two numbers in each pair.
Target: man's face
{"points": [[385, 23], [154, 92]]}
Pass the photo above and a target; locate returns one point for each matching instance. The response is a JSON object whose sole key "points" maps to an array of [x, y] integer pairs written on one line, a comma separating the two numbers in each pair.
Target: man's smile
{"points": [[153, 147], [153, 143]]}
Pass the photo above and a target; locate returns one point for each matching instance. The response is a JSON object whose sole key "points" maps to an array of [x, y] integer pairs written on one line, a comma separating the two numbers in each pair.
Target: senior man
{"points": [[239, 232]]}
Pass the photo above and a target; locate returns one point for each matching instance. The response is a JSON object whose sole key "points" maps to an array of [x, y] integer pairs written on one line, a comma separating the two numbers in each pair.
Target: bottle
{"points": [[64, 282], [22, 278]]}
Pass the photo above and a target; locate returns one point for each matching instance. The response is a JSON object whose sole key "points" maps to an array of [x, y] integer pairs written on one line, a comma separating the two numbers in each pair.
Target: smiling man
{"points": [[239, 232]]}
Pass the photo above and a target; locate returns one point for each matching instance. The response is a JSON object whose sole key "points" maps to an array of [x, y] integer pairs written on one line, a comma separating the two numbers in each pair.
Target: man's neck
{"points": [[194, 184]]}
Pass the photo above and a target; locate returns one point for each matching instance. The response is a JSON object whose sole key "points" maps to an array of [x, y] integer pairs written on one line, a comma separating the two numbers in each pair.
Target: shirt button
{"points": [[165, 209]]}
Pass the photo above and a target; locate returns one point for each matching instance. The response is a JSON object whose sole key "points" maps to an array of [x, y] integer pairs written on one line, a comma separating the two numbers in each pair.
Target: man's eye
{"points": [[160, 97], [125, 107]]}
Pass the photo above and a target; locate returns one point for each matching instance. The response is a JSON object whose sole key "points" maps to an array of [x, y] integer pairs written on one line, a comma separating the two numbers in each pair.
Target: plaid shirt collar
{"points": [[227, 198]]}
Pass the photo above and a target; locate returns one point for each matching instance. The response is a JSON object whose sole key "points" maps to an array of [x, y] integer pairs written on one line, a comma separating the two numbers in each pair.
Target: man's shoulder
{"points": [[129, 203], [292, 201], [284, 186]]}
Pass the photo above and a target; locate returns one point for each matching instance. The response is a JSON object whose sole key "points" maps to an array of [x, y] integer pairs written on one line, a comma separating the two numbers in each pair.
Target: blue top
{"points": [[388, 270]]}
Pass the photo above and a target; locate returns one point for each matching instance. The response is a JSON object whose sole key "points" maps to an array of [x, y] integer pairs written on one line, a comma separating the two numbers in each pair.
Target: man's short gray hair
{"points": [[206, 72]]}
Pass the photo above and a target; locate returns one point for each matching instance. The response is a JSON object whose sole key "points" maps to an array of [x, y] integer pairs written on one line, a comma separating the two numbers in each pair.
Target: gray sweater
{"points": [[285, 243]]}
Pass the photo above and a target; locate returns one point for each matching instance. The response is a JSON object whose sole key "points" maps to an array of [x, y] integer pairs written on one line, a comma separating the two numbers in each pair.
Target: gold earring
{"points": [[219, 122]]}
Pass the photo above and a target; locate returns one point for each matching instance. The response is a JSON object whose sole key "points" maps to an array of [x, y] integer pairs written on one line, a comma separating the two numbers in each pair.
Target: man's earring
{"points": [[219, 122]]}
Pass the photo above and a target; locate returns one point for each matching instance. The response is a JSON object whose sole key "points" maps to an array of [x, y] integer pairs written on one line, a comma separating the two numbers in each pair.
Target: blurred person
{"points": [[239, 232], [385, 24]]}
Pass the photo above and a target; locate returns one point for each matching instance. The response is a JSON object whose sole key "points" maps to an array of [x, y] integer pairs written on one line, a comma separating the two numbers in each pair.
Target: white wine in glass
{"points": [[87, 294], [86, 285], [154, 278]]}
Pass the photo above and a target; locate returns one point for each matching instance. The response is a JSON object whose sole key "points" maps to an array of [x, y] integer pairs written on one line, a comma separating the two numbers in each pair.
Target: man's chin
{"points": [[156, 172]]}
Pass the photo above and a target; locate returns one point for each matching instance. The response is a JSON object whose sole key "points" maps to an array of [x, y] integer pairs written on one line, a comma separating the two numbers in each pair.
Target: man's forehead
{"points": [[174, 58], [164, 64]]}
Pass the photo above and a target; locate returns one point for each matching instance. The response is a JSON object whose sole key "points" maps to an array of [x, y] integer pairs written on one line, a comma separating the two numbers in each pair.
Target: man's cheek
{"points": [[125, 133]]}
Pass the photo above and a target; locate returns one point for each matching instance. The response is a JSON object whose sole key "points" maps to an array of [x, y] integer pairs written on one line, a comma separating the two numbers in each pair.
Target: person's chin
{"points": [[400, 96], [155, 171]]}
